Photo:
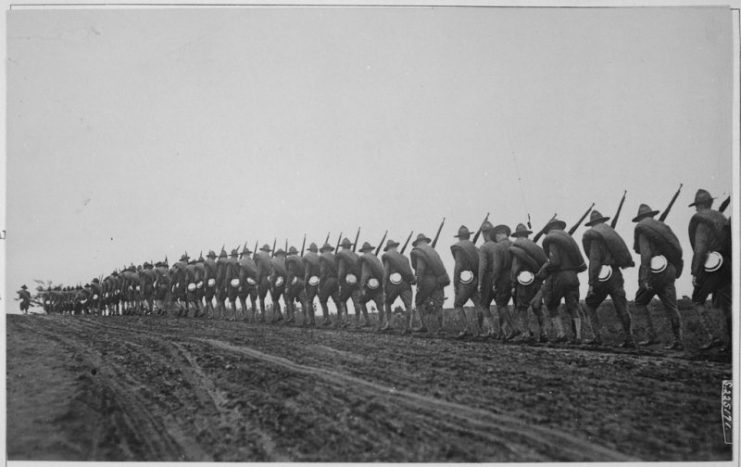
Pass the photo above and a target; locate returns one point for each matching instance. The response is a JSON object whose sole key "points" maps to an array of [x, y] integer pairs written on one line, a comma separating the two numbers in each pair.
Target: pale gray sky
{"points": [[139, 133]]}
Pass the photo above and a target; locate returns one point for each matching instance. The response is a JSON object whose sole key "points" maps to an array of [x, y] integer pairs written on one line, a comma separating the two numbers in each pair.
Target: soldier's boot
{"points": [[364, 309], [626, 322], [421, 327], [342, 318], [311, 312], [514, 332], [576, 330], [677, 338], [708, 327], [594, 325], [325, 314], [557, 324], [462, 316], [277, 313], [650, 329]]}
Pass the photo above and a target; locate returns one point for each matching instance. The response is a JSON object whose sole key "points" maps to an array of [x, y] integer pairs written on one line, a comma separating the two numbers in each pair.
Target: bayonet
{"points": [[620, 208], [671, 203]]}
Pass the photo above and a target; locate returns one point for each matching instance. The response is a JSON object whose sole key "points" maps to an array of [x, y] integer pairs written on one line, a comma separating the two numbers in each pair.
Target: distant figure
{"points": [[607, 253], [465, 278], [565, 261], [295, 289], [311, 281], [278, 282], [710, 237], [264, 270], [371, 284], [496, 273], [348, 275], [527, 259], [398, 279], [25, 297], [661, 265], [328, 284], [432, 278]]}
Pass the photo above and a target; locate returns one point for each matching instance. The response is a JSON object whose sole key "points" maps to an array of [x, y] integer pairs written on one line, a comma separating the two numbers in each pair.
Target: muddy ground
{"points": [[165, 388]]}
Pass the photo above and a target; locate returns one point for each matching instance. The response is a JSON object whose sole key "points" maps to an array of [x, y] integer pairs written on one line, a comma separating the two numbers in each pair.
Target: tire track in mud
{"points": [[486, 423]]}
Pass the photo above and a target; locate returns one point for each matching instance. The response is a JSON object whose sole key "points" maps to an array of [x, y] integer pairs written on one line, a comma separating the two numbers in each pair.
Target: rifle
{"points": [[378, 248], [338, 242], [286, 250], [671, 203], [326, 240], [725, 204], [355, 244], [581, 219], [407, 242], [437, 235], [478, 232], [254, 252], [620, 208], [542, 231], [272, 253], [303, 245], [529, 225]]}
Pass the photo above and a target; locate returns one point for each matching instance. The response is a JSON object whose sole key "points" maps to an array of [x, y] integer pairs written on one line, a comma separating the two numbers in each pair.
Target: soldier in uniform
{"points": [[710, 237], [147, 279], [232, 282], [348, 274], [247, 281], [607, 253], [465, 278], [495, 276], [278, 282], [371, 283], [209, 283], [312, 271], [264, 270], [328, 283], [221, 283], [398, 279], [432, 278], [295, 272], [561, 281], [97, 295], [162, 285], [25, 298], [661, 264], [527, 259]]}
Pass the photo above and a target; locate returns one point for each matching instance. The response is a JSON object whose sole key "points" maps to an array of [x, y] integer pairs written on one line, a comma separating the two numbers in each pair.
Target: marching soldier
{"points": [[398, 279], [710, 237], [25, 298], [311, 283], [97, 295], [247, 281], [295, 272], [607, 253], [328, 283], [371, 283], [232, 282], [495, 273], [221, 283], [565, 261], [278, 283], [661, 264], [348, 274], [527, 259], [465, 277], [432, 278], [264, 271], [147, 278], [210, 272]]}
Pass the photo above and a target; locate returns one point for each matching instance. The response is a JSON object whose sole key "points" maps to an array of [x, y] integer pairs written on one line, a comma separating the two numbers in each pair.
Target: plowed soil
{"points": [[165, 389]]}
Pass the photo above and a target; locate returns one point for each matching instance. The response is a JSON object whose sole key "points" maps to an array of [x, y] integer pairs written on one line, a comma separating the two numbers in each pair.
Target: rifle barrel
{"points": [[620, 208], [478, 232], [725, 204], [665, 214], [407, 242], [378, 248], [437, 235], [355, 243], [581, 219]]}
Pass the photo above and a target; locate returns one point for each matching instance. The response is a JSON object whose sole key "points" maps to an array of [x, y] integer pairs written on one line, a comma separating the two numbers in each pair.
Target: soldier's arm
{"points": [[554, 258], [421, 267], [595, 262], [644, 247], [459, 261], [702, 237], [483, 264], [496, 266], [323, 271], [341, 269], [515, 268]]}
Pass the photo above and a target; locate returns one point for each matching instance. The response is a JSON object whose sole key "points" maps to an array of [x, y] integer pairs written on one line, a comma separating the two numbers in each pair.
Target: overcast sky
{"points": [[135, 134]]}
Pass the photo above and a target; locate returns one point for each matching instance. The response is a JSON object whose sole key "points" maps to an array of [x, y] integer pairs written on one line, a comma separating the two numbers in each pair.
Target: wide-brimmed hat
{"points": [[292, 251], [346, 243], [421, 238], [501, 228], [390, 244], [702, 197], [185, 257], [246, 250], [555, 224], [313, 247], [595, 217], [521, 231], [644, 211], [280, 251], [211, 254], [222, 253], [266, 248], [486, 226], [24, 286], [147, 264], [463, 232], [367, 247], [326, 247], [96, 280], [234, 252]]}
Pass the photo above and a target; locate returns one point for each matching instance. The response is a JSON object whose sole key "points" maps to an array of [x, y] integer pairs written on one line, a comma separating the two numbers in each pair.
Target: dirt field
{"points": [[165, 389]]}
